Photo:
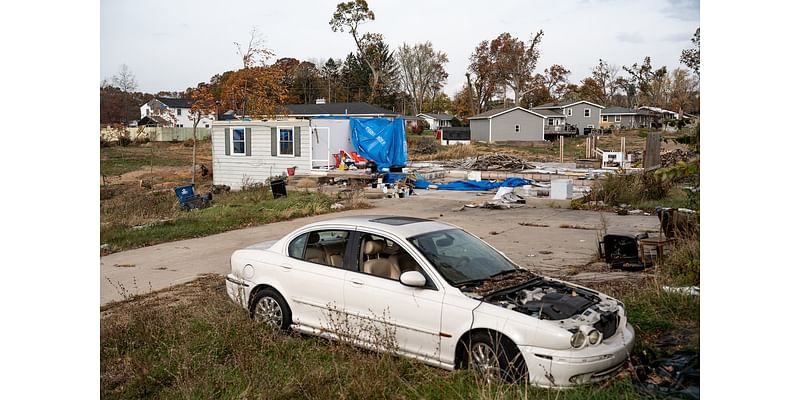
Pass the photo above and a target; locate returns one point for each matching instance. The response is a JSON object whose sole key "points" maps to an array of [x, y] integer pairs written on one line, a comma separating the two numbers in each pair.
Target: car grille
{"points": [[608, 324]]}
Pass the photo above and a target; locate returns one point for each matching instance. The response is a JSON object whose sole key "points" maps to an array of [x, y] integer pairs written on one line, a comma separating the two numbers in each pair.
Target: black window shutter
{"points": [[227, 141], [273, 140], [297, 141], [247, 141]]}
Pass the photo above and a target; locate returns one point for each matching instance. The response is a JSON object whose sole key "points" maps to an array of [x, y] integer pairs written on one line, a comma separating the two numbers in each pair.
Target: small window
{"points": [[587, 112], [179, 111], [298, 246], [569, 112], [605, 118], [516, 128], [238, 141], [286, 141], [618, 118], [207, 125], [320, 247], [550, 121]]}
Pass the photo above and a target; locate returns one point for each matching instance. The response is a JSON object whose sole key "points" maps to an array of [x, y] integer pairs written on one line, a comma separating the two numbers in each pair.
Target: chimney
{"points": [[321, 101]]}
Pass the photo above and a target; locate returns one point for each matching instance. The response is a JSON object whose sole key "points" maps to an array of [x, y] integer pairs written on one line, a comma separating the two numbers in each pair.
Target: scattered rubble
{"points": [[492, 162], [687, 290], [677, 376], [671, 158]]}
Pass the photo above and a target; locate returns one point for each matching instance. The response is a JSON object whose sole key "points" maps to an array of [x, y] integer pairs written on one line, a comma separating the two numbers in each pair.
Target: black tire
{"points": [[269, 307], [501, 357]]}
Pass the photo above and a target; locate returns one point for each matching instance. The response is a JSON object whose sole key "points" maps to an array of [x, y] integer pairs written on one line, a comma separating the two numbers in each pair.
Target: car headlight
{"points": [[594, 336], [578, 340]]}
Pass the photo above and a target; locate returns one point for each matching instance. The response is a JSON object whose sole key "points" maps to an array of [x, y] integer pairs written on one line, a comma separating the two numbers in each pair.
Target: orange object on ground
{"points": [[358, 158]]}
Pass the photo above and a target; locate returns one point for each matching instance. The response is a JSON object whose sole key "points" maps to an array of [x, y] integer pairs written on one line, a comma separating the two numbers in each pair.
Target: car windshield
{"points": [[460, 257]]}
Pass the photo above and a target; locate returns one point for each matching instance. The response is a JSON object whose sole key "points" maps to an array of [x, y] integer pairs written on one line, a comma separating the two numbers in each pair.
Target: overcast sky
{"points": [[174, 44]]}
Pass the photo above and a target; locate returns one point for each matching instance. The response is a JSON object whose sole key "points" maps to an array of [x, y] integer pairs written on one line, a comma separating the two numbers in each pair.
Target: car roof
{"points": [[404, 226]]}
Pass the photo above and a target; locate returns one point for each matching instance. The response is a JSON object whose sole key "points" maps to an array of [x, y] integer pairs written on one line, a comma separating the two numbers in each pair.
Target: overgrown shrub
{"points": [[631, 189], [682, 264]]}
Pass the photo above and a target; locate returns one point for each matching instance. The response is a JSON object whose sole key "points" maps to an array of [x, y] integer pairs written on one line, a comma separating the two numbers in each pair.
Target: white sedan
{"points": [[433, 292]]}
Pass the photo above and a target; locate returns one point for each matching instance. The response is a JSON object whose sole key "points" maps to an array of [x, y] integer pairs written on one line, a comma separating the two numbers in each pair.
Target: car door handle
{"points": [[286, 267], [357, 283]]}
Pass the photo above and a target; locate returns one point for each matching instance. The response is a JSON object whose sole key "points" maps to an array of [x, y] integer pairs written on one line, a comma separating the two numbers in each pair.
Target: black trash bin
{"points": [[278, 188]]}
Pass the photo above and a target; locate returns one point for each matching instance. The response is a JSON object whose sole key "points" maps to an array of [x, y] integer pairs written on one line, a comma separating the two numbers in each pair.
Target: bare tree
{"points": [[256, 53], [421, 71], [515, 62], [347, 17], [125, 81], [606, 77]]}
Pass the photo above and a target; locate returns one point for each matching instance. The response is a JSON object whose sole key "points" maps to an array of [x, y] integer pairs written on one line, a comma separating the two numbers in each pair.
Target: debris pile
{"points": [[496, 161], [671, 158], [676, 376]]}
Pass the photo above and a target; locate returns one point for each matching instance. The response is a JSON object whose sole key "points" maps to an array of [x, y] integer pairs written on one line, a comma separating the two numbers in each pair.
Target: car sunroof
{"points": [[398, 220]]}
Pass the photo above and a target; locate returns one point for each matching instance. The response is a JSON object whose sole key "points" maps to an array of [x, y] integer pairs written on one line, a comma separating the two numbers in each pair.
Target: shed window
{"points": [[516, 128], [550, 121], [286, 141], [569, 112], [605, 118], [618, 118], [587, 112], [179, 111], [238, 141]]}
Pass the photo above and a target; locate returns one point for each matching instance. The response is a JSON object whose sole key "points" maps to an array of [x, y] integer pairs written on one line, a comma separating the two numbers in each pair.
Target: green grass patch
{"points": [[191, 341], [230, 211], [117, 160]]}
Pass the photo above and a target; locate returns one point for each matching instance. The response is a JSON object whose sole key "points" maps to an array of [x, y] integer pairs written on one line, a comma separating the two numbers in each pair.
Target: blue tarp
{"points": [[421, 183], [380, 140]]}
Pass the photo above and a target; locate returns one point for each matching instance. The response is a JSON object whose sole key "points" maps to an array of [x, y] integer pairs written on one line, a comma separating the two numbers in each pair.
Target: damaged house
{"points": [[305, 138]]}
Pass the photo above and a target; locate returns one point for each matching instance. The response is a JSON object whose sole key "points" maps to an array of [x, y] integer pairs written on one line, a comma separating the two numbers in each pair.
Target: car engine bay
{"points": [[570, 306]]}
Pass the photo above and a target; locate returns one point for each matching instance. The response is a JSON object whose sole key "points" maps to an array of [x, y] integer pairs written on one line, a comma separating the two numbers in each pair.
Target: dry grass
{"points": [[191, 341], [454, 152]]}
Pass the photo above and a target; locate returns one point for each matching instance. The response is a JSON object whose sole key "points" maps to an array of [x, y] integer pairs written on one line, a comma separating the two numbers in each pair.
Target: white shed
{"points": [[253, 151]]}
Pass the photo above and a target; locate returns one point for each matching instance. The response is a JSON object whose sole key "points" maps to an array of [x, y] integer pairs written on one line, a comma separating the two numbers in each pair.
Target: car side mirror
{"points": [[412, 278]]}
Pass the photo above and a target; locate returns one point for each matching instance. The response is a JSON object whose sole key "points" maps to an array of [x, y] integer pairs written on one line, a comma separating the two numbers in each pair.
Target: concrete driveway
{"points": [[553, 240]]}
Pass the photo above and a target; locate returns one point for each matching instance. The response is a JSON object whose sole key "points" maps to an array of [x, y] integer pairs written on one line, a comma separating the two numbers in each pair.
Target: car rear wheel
{"points": [[270, 308], [495, 357]]}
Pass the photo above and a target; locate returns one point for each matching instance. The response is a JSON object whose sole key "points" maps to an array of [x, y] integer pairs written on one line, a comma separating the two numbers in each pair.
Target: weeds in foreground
{"points": [[193, 341]]}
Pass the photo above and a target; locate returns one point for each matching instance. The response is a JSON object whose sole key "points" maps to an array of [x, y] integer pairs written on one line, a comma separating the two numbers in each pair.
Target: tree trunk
{"points": [[194, 150]]}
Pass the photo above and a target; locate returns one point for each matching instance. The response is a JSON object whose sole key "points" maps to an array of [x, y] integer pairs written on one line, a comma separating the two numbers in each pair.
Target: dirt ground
{"points": [[549, 241]]}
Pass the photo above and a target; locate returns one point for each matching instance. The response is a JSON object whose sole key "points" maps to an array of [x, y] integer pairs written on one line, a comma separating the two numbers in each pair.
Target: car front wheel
{"points": [[495, 357], [270, 308]]}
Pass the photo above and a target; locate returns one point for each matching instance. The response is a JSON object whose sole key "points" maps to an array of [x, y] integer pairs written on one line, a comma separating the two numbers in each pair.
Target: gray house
{"points": [[623, 118], [582, 114], [436, 121], [305, 138], [505, 124]]}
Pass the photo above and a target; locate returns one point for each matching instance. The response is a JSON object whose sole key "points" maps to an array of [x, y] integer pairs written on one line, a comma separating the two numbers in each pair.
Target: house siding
{"points": [[530, 125], [234, 171], [577, 119], [479, 130]]}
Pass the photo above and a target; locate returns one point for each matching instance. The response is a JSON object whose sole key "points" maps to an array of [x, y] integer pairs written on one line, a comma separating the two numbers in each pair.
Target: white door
{"points": [[313, 278], [321, 155], [394, 314]]}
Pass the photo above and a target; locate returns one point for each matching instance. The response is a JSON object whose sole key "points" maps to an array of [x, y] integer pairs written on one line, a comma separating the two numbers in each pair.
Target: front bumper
{"points": [[238, 290], [566, 368]]}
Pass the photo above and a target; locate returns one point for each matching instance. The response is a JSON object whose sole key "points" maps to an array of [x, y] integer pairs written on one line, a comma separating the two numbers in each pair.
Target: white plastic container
{"points": [[561, 189], [474, 176]]}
